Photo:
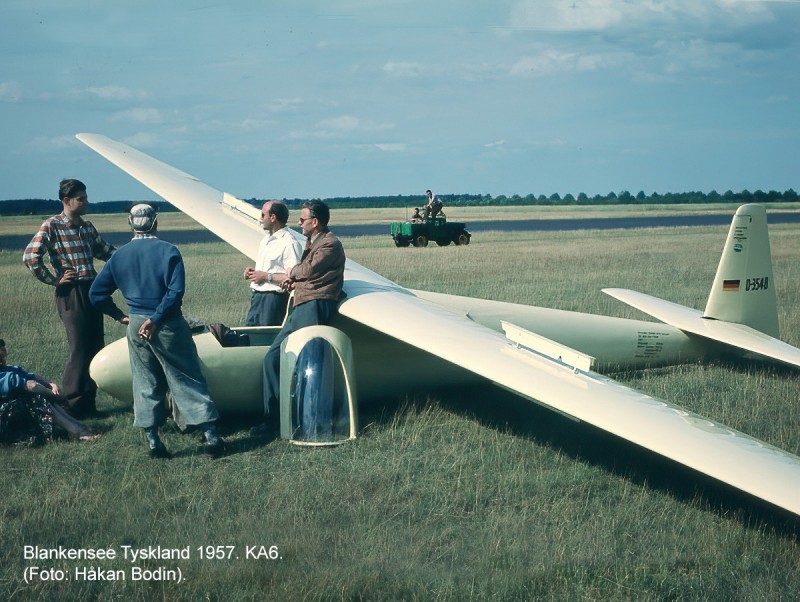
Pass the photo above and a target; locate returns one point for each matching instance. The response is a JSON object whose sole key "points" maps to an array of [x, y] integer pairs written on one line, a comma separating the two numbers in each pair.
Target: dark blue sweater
{"points": [[149, 273]]}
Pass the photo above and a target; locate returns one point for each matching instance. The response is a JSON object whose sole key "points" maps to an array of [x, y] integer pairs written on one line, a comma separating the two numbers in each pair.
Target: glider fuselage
{"points": [[385, 366]]}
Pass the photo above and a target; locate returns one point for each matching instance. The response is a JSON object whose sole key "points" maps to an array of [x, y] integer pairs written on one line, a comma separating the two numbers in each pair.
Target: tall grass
{"points": [[469, 494]]}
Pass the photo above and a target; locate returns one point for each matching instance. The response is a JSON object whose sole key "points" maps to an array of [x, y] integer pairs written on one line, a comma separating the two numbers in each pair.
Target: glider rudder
{"points": [[744, 288]]}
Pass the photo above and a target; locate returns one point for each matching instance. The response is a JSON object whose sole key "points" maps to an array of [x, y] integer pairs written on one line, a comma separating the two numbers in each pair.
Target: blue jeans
{"points": [[310, 313], [168, 361]]}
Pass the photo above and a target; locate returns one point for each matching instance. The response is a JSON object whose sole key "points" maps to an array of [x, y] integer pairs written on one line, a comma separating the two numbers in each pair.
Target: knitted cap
{"points": [[142, 217]]}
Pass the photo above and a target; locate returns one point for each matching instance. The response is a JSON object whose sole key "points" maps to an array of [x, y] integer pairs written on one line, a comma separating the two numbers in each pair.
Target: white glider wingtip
{"points": [[666, 429]]}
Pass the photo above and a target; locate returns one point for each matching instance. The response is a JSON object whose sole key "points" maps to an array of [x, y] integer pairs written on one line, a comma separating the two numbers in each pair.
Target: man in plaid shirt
{"points": [[71, 245]]}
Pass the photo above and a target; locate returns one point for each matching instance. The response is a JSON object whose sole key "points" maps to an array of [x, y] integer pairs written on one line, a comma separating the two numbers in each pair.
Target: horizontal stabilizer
{"points": [[694, 322]]}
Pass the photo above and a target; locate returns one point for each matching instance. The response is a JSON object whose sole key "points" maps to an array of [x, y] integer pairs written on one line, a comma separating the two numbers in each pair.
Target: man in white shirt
{"points": [[278, 253], [434, 205]]}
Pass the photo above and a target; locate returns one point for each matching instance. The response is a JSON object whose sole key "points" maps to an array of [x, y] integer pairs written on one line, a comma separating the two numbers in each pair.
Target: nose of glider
{"points": [[111, 370]]}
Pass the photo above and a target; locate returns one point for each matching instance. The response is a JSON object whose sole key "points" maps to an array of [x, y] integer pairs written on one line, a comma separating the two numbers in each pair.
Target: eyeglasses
{"points": [[305, 219]]}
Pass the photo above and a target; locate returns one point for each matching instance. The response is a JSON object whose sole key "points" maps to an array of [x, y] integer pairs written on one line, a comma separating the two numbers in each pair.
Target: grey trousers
{"points": [[168, 361]]}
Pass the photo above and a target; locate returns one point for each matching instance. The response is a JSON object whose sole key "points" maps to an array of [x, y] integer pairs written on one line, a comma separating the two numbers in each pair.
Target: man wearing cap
{"points": [[71, 245], [151, 276], [278, 253]]}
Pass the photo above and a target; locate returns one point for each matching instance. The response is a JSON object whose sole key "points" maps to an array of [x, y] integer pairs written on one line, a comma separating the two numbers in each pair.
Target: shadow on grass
{"points": [[228, 429], [510, 413]]}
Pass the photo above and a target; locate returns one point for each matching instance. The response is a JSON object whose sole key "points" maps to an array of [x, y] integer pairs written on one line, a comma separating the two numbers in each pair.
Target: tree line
{"points": [[51, 207], [612, 198]]}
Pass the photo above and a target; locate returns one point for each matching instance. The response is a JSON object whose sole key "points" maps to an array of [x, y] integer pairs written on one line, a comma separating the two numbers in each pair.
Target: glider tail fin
{"points": [[744, 289]]}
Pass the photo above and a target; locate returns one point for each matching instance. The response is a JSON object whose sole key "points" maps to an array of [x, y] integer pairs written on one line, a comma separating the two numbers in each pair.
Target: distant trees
{"points": [[623, 197], [51, 207]]}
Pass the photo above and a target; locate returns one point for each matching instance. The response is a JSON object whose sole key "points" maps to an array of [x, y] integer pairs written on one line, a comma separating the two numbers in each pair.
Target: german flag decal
{"points": [[730, 285]]}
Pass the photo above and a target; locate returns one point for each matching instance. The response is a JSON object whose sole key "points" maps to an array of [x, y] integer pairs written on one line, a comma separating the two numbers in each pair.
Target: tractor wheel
{"points": [[462, 239], [420, 240]]}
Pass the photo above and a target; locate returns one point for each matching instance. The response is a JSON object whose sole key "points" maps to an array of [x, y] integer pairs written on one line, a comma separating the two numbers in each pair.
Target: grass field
{"points": [[468, 494]]}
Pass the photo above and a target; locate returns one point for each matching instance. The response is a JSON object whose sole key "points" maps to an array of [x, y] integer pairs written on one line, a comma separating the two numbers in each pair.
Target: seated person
{"points": [[434, 205], [24, 404], [417, 216]]}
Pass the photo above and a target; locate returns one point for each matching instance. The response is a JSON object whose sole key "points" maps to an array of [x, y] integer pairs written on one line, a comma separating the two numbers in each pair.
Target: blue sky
{"points": [[309, 98]]}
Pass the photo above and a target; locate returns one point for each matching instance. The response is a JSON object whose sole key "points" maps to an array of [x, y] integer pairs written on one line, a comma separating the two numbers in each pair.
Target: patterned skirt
{"points": [[25, 419]]}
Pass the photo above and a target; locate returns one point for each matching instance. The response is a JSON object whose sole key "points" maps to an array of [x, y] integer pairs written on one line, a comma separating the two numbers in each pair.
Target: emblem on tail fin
{"points": [[741, 292]]}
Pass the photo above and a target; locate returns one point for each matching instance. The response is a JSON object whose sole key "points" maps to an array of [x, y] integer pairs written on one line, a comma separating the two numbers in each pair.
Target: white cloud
{"points": [[340, 127], [46, 144], [142, 140], [283, 104], [391, 147], [703, 55], [597, 15], [139, 115], [402, 69], [494, 144], [551, 61], [255, 124], [570, 15], [108, 93], [10, 91], [345, 123]]}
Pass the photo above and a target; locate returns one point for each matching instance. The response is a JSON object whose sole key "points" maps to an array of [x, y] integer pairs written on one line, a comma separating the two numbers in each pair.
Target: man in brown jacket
{"points": [[317, 282]]}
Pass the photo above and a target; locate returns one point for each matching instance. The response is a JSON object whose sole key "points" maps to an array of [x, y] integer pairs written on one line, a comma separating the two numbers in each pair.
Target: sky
{"points": [[326, 98]]}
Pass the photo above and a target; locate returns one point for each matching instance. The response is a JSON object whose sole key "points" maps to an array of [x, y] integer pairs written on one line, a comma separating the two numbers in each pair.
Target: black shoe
{"points": [[261, 430], [159, 451], [214, 450]]}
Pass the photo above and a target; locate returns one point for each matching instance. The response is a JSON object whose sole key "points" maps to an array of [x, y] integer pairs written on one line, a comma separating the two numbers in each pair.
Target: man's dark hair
{"points": [[280, 211], [319, 210], [69, 188]]}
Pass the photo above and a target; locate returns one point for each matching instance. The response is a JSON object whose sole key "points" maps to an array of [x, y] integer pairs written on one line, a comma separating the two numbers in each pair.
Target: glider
{"points": [[548, 356]]}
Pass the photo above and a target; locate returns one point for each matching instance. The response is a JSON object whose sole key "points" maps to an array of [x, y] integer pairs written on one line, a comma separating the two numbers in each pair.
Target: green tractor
{"points": [[419, 232]]}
